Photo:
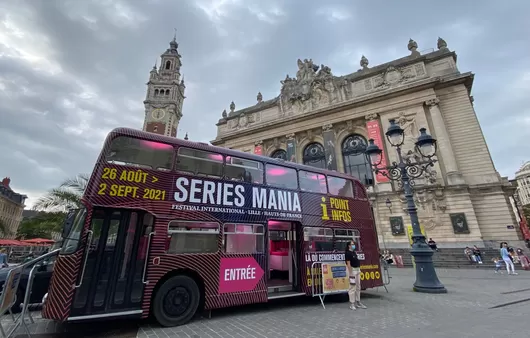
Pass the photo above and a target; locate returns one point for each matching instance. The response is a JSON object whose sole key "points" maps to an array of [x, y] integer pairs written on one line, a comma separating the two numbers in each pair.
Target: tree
{"points": [[3, 229], [67, 195], [42, 225]]}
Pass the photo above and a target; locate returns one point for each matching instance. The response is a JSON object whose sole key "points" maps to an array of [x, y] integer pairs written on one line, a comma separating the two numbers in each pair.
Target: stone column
{"points": [[445, 149]]}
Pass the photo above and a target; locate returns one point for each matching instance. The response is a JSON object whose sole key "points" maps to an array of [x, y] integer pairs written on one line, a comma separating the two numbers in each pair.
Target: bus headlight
{"points": [[44, 298]]}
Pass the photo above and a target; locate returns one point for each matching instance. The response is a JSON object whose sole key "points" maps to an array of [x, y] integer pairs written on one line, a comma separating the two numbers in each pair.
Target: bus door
{"points": [[294, 253], [111, 281]]}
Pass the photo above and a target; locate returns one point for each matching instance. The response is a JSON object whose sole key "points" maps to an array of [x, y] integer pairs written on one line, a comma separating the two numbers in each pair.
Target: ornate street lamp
{"points": [[404, 171]]}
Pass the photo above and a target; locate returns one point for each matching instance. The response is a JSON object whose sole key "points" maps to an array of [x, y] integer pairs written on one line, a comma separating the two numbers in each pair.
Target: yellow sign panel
{"points": [[334, 278], [409, 234]]}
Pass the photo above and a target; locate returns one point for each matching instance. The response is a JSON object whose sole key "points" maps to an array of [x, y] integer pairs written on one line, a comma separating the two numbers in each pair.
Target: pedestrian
{"points": [[498, 264], [354, 275], [507, 259], [469, 254], [433, 245], [477, 254], [3, 258]]}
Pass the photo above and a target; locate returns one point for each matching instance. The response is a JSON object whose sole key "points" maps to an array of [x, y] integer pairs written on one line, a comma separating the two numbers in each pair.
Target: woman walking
{"points": [[507, 259], [354, 272]]}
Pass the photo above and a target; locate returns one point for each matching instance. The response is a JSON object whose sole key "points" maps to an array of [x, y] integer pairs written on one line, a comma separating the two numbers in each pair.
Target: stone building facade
{"points": [[325, 120], [11, 208], [165, 94], [522, 176]]}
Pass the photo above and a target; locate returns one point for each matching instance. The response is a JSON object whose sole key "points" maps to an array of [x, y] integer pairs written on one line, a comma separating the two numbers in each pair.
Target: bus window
{"points": [[192, 237], [340, 187], [239, 169], [199, 162], [342, 236], [318, 239], [312, 182], [281, 177], [243, 238], [144, 154]]}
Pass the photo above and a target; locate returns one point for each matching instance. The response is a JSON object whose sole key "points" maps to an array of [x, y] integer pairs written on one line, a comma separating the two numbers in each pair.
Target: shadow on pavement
{"points": [[107, 329]]}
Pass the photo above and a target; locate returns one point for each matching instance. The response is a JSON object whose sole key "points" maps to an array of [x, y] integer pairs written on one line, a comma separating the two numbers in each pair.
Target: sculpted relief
{"points": [[243, 121], [312, 88]]}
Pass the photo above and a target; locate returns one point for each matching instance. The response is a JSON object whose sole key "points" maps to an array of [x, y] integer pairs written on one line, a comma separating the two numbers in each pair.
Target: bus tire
{"points": [[176, 301]]}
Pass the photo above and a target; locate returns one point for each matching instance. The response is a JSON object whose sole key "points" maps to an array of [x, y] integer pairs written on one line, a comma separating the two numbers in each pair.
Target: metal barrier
{"points": [[317, 289], [9, 291], [385, 274]]}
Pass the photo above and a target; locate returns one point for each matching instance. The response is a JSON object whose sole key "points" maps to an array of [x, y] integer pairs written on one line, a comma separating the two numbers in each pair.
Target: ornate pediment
{"points": [[312, 87], [244, 121], [393, 76]]}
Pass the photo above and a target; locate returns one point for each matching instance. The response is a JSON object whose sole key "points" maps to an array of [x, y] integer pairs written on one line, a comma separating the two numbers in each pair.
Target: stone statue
{"points": [[232, 107], [259, 97], [225, 115], [364, 62], [441, 43], [413, 46]]}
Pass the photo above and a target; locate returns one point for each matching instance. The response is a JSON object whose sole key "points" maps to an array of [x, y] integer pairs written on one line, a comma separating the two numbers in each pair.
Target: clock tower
{"points": [[165, 94]]}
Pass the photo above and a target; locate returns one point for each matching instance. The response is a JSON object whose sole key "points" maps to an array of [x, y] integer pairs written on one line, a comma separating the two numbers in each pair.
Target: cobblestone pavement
{"points": [[466, 311]]}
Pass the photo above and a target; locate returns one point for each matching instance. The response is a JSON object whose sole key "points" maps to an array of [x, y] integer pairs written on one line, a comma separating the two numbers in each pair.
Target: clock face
{"points": [[158, 114]]}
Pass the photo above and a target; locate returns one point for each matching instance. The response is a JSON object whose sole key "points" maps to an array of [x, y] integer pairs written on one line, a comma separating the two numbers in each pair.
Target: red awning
{"points": [[37, 241], [10, 242]]}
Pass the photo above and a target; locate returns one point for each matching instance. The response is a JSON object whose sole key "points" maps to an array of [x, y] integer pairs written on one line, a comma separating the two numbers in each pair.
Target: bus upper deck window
{"points": [[312, 182], [281, 177], [199, 162], [340, 187], [240, 169], [136, 152]]}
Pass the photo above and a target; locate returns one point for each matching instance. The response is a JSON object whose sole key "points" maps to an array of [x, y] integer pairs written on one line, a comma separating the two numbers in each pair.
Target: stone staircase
{"points": [[453, 258]]}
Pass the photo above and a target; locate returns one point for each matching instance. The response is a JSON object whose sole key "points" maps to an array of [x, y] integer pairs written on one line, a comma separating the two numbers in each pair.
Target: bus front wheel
{"points": [[176, 301]]}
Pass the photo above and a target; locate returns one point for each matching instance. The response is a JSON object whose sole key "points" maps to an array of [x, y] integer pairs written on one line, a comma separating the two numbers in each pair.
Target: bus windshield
{"points": [[71, 240]]}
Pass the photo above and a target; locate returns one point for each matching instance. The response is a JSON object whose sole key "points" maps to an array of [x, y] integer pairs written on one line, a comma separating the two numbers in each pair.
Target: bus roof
{"points": [[147, 136]]}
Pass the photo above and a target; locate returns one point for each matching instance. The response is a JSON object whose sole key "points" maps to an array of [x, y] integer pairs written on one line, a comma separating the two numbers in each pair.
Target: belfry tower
{"points": [[165, 94]]}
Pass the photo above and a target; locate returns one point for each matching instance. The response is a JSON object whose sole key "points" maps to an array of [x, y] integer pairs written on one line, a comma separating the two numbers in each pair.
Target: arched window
{"points": [[355, 161], [315, 156], [156, 92], [280, 153], [167, 92], [168, 65]]}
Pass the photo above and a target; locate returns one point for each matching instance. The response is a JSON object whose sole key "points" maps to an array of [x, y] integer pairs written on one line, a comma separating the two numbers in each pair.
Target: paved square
{"points": [[466, 311], [463, 312]]}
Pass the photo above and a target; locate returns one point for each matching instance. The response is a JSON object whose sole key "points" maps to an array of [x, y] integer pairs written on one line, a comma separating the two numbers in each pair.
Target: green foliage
{"points": [[3, 229], [41, 226], [67, 195]]}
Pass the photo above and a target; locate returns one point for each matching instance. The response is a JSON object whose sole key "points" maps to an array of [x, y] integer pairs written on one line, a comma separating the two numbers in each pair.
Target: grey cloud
{"points": [[105, 49]]}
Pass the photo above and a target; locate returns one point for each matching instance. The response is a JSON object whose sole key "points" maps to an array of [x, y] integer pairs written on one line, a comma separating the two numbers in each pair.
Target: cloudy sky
{"points": [[70, 71]]}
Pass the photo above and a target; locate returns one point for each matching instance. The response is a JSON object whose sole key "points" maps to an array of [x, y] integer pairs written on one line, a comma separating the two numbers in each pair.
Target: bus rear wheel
{"points": [[176, 301]]}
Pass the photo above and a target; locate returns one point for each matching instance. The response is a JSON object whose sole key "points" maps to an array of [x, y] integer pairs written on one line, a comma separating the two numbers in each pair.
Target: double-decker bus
{"points": [[170, 227]]}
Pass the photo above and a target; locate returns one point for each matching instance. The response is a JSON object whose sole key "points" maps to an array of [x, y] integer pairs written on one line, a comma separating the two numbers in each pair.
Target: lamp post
{"points": [[404, 171]]}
